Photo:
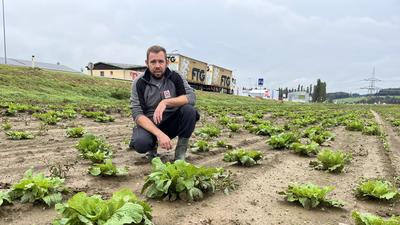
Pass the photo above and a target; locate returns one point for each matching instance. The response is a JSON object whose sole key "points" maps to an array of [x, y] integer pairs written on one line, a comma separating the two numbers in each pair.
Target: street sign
{"points": [[260, 81]]}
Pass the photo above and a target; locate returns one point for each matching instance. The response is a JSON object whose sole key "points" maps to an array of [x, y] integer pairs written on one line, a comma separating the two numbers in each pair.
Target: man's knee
{"points": [[142, 145], [189, 111], [141, 141]]}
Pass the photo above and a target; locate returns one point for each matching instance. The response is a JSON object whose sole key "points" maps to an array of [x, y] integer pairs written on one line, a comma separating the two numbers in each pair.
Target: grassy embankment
{"points": [[42, 87]]}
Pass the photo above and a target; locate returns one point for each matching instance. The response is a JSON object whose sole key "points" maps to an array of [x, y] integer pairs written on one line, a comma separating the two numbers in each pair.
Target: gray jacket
{"points": [[146, 93]]}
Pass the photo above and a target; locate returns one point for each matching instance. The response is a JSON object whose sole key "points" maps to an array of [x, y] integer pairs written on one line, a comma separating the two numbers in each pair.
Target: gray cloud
{"points": [[284, 41]]}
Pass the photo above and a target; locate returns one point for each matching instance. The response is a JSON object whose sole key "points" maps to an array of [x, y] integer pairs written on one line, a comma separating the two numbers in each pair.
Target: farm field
{"points": [[54, 102]]}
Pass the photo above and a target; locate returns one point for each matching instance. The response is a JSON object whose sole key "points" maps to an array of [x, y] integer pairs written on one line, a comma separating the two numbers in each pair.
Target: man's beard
{"points": [[158, 77]]}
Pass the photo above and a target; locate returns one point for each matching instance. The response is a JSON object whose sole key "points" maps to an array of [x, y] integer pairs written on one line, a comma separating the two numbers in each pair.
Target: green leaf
{"points": [[52, 199], [95, 171], [127, 214], [5, 197]]}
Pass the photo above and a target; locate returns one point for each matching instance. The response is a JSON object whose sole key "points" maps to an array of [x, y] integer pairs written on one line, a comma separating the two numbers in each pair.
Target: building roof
{"points": [[177, 54], [118, 65], [42, 65]]}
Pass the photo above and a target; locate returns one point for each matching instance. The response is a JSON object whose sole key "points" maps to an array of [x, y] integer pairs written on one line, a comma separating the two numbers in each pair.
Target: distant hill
{"points": [[340, 95], [389, 92]]}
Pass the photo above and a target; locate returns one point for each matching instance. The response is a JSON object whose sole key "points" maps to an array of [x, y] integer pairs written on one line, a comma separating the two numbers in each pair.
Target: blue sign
{"points": [[260, 81]]}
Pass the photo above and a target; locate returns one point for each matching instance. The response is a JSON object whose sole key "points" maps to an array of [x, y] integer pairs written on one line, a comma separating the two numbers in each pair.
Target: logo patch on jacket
{"points": [[167, 94]]}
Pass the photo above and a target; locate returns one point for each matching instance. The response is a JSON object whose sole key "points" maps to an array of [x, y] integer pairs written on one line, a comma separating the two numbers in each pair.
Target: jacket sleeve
{"points": [[137, 108]]}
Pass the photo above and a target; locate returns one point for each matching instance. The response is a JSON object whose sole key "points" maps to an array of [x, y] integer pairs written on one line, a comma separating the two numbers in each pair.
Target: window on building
{"points": [[102, 73], [111, 73]]}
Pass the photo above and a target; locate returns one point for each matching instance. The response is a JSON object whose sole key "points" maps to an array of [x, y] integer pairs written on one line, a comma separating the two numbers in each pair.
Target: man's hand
{"points": [[158, 113], [135, 74], [164, 141]]}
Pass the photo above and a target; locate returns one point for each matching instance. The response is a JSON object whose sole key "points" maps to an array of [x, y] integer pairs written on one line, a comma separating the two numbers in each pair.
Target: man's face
{"points": [[157, 64]]}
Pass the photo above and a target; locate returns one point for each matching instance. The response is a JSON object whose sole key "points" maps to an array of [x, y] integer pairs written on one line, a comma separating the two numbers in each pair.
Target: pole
{"points": [[4, 32]]}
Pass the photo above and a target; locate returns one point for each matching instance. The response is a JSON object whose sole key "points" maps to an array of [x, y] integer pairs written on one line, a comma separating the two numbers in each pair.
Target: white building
{"points": [[299, 96], [260, 93]]}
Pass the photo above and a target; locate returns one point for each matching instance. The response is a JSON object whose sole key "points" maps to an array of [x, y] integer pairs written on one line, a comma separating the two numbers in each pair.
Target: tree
{"points": [[319, 94], [280, 93]]}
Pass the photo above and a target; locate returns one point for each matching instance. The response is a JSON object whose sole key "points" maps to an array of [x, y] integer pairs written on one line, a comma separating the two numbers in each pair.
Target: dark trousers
{"points": [[181, 123]]}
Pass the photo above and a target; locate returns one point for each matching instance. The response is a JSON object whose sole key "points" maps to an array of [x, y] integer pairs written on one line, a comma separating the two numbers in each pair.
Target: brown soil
{"points": [[393, 154], [255, 202]]}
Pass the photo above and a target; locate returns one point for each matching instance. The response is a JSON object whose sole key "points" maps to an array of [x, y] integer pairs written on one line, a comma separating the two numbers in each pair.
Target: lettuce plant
{"points": [[94, 148], [333, 161], [209, 131], [123, 208], [98, 116], [92, 114], [75, 132], [234, 127], [396, 123], [37, 187], [107, 169], [305, 149], [372, 129], [282, 140], [201, 146], [225, 120], [305, 121], [377, 189], [253, 118], [19, 135], [221, 143], [267, 129], [6, 125], [310, 195], [68, 114], [322, 137], [354, 125], [50, 117], [104, 119], [369, 219], [183, 180], [312, 131], [243, 157]]}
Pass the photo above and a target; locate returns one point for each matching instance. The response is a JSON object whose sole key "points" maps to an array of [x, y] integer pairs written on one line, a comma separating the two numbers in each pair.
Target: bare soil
{"points": [[255, 201]]}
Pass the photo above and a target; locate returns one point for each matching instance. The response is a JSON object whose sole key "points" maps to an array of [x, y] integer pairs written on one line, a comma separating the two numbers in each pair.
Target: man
{"points": [[162, 107]]}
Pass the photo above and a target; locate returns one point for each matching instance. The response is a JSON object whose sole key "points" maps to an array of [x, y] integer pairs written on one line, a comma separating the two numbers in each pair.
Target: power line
{"points": [[372, 89]]}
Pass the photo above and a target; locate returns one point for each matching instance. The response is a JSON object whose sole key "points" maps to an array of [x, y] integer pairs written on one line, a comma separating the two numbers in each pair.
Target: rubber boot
{"points": [[152, 153], [181, 148]]}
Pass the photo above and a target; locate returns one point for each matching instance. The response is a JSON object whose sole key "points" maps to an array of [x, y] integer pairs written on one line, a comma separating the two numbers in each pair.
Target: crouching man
{"points": [[162, 107]]}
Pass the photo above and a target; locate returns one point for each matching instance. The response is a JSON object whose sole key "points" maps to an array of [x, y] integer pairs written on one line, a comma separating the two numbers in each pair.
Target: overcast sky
{"points": [[286, 42]]}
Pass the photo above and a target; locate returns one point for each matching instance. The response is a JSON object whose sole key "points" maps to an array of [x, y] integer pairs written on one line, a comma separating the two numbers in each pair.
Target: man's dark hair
{"points": [[156, 49]]}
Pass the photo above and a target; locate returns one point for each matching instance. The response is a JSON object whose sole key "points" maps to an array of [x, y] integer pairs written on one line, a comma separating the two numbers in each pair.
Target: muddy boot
{"points": [[181, 148], [150, 155]]}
